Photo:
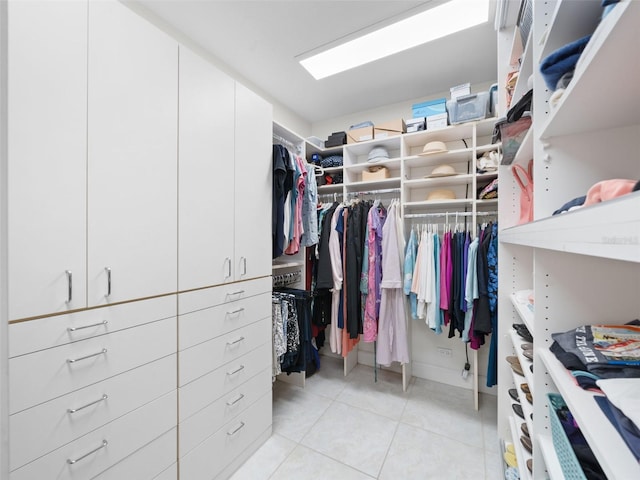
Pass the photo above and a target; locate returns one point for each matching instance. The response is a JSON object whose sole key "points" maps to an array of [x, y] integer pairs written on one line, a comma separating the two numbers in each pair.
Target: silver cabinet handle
{"points": [[74, 360], [71, 462], [236, 430], [73, 329], [70, 286], [234, 312], [237, 292], [74, 410], [108, 270], [227, 262], [237, 370], [235, 341], [243, 260], [233, 402]]}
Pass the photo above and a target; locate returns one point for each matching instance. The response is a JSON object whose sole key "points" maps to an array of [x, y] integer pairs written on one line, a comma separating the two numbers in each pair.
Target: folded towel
{"points": [[562, 61]]}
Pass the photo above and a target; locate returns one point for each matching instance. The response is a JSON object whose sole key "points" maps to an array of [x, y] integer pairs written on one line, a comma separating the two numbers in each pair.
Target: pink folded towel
{"points": [[608, 189]]}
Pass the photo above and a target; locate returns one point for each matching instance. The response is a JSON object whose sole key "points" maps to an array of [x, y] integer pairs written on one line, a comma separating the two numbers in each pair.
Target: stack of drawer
{"points": [[224, 376], [90, 389]]}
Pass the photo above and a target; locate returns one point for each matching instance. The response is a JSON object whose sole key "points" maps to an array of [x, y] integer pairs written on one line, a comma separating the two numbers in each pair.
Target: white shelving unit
{"points": [[583, 265]]}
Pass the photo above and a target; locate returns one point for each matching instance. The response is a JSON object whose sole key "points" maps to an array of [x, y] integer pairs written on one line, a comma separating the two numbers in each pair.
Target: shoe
{"points": [[517, 408], [524, 429], [525, 387], [528, 354], [526, 443], [515, 364], [529, 398], [531, 367], [513, 393], [530, 465], [522, 330], [510, 456], [526, 346]]}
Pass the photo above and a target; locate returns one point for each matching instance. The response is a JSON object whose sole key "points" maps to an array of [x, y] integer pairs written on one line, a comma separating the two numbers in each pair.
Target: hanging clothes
{"points": [[492, 291], [392, 333], [335, 253], [377, 216], [309, 215]]}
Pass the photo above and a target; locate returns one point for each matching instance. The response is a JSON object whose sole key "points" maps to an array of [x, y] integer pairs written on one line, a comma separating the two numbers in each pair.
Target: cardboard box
{"points": [[416, 124], [389, 129], [359, 134], [427, 109], [434, 122], [380, 174]]}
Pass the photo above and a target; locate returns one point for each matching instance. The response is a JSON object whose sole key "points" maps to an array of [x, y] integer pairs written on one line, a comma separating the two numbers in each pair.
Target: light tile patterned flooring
{"points": [[343, 428]]}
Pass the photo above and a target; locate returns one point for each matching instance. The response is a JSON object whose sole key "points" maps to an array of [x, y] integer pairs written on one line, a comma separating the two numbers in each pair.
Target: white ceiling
{"points": [[261, 40]]}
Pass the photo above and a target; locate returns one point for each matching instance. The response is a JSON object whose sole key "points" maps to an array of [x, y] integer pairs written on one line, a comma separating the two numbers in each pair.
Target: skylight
{"points": [[451, 17]]}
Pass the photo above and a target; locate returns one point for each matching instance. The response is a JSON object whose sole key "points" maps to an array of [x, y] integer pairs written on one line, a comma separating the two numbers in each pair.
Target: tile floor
{"points": [[343, 428]]}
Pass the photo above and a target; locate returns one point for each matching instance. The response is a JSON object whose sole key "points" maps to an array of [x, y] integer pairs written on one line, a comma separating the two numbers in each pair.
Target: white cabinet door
{"points": [[205, 192], [47, 109], [253, 185], [132, 163]]}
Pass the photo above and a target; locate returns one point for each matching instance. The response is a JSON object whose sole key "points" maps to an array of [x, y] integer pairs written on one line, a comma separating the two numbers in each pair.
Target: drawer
{"points": [[207, 356], [212, 455], [209, 297], [95, 452], [150, 462], [170, 473], [199, 426], [45, 427], [201, 325], [201, 392], [34, 335], [41, 376]]}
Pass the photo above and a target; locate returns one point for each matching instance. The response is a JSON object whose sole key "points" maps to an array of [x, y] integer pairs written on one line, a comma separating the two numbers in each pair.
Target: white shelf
{"points": [[391, 164], [447, 134], [488, 147], [281, 265], [312, 148], [439, 204], [571, 20], [452, 156], [374, 185], [481, 177], [608, 446], [490, 202], [521, 454], [602, 63], [527, 408], [607, 230], [526, 69], [363, 148], [463, 179], [551, 461], [332, 169], [525, 152], [333, 188], [523, 311]]}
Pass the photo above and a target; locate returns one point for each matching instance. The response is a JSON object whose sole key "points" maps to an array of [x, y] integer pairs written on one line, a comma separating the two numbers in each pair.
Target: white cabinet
{"points": [[132, 157], [206, 159], [252, 185], [47, 142]]}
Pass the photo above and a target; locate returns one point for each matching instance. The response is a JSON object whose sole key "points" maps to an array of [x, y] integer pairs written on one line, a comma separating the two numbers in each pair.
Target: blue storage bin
{"points": [[571, 469], [430, 108], [468, 108]]}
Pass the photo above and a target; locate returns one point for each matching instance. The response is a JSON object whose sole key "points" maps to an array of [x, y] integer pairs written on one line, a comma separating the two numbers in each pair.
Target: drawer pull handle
{"points": [[237, 292], [235, 312], [237, 370], [244, 265], [73, 329], [235, 342], [101, 399], [74, 360], [233, 402], [227, 262], [236, 430], [108, 270], [70, 286], [71, 462]]}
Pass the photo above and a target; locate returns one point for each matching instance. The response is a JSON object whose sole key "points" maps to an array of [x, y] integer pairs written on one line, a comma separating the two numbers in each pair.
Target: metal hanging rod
{"points": [[450, 214], [286, 142], [375, 192]]}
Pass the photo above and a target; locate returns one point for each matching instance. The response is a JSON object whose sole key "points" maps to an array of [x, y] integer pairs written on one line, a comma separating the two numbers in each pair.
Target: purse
{"points": [[524, 178]]}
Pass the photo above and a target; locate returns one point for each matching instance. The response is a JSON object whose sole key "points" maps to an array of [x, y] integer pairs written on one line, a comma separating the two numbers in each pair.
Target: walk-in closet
{"points": [[273, 240]]}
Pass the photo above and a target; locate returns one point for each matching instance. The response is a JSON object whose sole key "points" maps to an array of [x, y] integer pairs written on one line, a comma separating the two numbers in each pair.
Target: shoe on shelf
{"points": [[530, 465], [510, 456], [526, 443], [525, 429], [513, 393], [517, 408], [529, 398], [526, 346], [515, 364], [522, 330], [528, 354], [525, 387]]}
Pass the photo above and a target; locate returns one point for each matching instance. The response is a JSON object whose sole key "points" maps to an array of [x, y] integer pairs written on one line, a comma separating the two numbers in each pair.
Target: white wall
{"points": [[393, 111], [281, 114]]}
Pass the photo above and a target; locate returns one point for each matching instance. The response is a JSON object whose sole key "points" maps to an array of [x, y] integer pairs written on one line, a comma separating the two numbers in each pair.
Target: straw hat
{"points": [[441, 195], [443, 170], [434, 147]]}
